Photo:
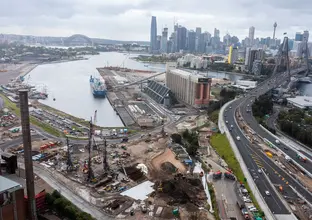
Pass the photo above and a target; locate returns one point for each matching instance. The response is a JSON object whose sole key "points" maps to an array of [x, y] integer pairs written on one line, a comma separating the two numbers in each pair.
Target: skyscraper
{"points": [[306, 35], [164, 41], [181, 38], [298, 36], [251, 35], [153, 39], [198, 33], [191, 41]]}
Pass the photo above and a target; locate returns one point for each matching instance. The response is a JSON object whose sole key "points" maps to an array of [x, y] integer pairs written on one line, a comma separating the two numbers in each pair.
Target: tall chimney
{"points": [[31, 204]]}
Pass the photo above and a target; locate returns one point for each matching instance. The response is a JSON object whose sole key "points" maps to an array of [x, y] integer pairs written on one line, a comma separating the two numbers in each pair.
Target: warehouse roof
{"points": [[8, 185]]}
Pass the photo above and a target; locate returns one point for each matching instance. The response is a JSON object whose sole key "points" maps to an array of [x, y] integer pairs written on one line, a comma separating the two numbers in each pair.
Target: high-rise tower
{"points": [[251, 35], [274, 25], [153, 39]]}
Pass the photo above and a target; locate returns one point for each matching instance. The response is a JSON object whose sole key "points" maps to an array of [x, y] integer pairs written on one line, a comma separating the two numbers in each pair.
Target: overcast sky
{"points": [[130, 19]]}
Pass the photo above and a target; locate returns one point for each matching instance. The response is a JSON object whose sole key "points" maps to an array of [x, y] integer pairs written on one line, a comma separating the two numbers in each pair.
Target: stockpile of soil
{"points": [[168, 167]]}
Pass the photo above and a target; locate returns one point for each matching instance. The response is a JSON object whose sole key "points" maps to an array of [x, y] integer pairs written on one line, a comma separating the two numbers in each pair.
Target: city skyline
{"points": [[124, 20]]}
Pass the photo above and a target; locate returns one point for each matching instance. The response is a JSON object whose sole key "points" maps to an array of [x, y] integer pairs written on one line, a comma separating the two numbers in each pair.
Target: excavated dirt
{"points": [[181, 190]]}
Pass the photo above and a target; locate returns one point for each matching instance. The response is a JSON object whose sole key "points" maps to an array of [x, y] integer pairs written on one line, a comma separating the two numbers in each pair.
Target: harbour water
{"points": [[68, 84]]}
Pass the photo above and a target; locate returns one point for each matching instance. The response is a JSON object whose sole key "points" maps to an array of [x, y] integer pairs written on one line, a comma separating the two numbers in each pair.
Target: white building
{"points": [[301, 102]]}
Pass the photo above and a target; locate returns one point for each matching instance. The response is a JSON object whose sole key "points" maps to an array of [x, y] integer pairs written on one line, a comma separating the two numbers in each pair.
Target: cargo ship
{"points": [[98, 87]]}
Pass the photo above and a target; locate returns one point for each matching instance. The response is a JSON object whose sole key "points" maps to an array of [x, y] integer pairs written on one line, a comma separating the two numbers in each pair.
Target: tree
{"points": [[176, 138]]}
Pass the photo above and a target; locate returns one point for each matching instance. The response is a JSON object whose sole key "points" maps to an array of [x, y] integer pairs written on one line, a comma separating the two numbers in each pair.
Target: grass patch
{"points": [[215, 91], [221, 144]]}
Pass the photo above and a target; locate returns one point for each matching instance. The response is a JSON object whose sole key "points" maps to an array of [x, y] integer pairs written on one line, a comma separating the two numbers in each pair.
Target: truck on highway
{"points": [[301, 158], [287, 158], [269, 143]]}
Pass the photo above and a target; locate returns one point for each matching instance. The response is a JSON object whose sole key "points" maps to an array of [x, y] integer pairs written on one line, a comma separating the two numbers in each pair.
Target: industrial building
{"points": [[303, 102], [12, 203], [189, 87]]}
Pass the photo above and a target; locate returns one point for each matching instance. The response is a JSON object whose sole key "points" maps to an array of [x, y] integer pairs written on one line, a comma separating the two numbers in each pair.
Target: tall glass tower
{"points": [[153, 40]]}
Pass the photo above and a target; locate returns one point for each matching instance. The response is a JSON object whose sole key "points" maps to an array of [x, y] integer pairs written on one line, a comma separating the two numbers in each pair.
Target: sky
{"points": [[130, 19]]}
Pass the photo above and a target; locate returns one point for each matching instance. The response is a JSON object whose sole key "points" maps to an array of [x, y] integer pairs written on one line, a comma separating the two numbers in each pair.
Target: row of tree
{"points": [[65, 208], [189, 141], [226, 95], [297, 124], [262, 106]]}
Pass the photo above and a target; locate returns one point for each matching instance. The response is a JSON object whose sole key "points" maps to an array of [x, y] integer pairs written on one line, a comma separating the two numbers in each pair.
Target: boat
{"points": [[98, 87]]}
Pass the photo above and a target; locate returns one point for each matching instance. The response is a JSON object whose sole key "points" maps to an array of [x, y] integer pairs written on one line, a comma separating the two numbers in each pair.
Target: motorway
{"points": [[255, 159]]}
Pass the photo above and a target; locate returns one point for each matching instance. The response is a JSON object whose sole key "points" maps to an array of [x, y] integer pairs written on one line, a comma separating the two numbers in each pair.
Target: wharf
{"points": [[120, 109]]}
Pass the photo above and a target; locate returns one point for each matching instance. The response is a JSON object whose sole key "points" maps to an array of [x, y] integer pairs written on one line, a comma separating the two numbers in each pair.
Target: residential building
{"points": [[189, 86], [153, 37]]}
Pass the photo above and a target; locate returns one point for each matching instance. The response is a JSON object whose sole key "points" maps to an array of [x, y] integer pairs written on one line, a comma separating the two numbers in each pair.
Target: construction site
{"points": [[129, 179]]}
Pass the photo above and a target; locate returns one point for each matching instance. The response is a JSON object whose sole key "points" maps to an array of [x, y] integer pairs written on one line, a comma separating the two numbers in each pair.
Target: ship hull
{"points": [[99, 94]]}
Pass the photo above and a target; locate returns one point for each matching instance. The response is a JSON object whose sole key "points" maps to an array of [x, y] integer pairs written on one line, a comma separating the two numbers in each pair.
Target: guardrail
{"points": [[222, 127]]}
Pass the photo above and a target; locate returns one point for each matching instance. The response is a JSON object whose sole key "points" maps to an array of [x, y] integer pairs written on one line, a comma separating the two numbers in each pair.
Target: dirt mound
{"points": [[168, 156], [168, 167]]}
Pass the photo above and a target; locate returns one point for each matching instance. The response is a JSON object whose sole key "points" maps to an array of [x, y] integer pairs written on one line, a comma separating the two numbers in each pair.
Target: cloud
{"points": [[130, 20]]}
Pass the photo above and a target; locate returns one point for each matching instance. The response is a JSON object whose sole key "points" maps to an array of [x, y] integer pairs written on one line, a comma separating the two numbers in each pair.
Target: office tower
{"points": [[191, 41], [298, 36], [153, 39], [274, 26], [158, 43], [164, 41], [216, 33], [251, 35], [198, 33], [181, 38], [233, 55], [290, 44], [305, 36], [227, 40]]}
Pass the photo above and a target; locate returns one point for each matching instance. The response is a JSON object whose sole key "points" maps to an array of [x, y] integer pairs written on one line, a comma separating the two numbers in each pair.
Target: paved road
{"points": [[253, 162], [255, 159]]}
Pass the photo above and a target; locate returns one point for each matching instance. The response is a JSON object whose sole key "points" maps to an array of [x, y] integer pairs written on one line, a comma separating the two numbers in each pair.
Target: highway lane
{"points": [[253, 164], [252, 122], [281, 172]]}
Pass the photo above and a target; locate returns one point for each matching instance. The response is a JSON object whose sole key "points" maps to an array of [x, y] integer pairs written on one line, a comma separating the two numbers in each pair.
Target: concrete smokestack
{"points": [[23, 95]]}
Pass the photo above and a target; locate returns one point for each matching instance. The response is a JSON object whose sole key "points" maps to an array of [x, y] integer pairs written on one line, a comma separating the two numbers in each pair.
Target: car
{"points": [[231, 126], [248, 105], [267, 193], [238, 138], [285, 148], [226, 122], [259, 171], [230, 107], [277, 141]]}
